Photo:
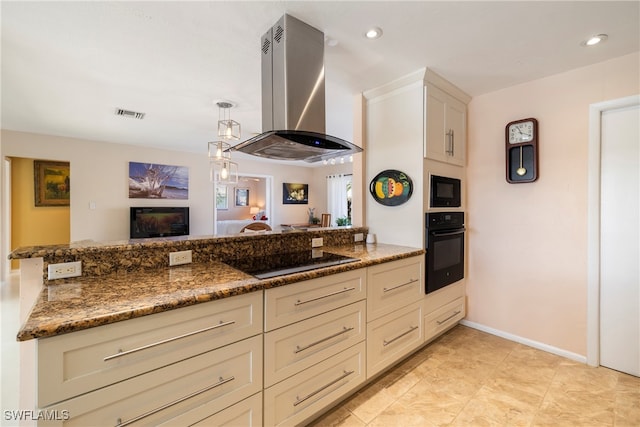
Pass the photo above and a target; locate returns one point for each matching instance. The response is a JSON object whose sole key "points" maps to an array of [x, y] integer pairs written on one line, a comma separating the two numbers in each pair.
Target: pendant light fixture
{"points": [[227, 128], [222, 170]]}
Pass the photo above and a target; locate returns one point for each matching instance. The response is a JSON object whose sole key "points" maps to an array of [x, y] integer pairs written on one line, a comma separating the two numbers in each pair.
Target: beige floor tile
{"points": [[469, 378], [399, 415], [339, 417], [369, 403], [627, 407]]}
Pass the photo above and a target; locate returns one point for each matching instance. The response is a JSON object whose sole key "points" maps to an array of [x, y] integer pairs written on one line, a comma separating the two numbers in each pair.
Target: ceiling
{"points": [[67, 66]]}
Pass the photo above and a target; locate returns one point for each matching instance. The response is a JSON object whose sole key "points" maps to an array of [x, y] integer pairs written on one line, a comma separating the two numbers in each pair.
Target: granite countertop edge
{"points": [[72, 305]]}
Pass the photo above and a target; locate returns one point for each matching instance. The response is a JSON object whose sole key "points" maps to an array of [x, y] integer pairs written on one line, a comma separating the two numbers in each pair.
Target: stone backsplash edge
{"points": [[100, 259]]}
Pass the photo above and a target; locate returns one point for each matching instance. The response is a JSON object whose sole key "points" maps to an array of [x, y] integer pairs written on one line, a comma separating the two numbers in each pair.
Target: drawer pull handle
{"points": [[343, 331], [411, 329], [399, 286], [121, 353], [440, 322], [220, 382], [324, 387], [298, 302]]}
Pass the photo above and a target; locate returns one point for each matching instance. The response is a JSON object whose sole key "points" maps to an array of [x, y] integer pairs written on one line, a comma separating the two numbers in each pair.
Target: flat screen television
{"points": [[159, 222]]}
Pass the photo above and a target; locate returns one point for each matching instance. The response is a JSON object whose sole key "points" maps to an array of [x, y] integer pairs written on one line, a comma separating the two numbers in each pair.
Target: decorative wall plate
{"points": [[391, 187]]}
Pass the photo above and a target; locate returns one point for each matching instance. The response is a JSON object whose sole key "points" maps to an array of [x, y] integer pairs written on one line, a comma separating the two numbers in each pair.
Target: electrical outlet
{"points": [[64, 269], [179, 258], [358, 237], [317, 242]]}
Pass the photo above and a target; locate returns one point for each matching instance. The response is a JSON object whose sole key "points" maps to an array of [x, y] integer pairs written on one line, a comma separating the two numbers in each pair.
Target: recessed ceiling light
{"points": [[594, 40], [373, 33]]}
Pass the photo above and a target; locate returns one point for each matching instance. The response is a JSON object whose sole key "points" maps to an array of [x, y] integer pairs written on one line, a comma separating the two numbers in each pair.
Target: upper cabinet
{"points": [[445, 120]]}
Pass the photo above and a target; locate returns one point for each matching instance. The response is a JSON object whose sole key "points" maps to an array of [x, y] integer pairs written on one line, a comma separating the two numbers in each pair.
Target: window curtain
{"points": [[337, 196]]}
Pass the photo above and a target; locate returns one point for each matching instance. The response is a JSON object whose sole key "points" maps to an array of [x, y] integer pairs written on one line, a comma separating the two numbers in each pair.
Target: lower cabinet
{"points": [[393, 336], [179, 394], [444, 308], [298, 398], [278, 357], [247, 413]]}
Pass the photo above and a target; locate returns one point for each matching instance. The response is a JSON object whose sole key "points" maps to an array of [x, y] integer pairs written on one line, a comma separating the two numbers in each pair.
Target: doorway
{"points": [[33, 223], [614, 236]]}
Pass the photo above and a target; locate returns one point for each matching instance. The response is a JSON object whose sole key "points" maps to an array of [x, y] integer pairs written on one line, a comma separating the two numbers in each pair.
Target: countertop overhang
{"points": [[70, 305]]}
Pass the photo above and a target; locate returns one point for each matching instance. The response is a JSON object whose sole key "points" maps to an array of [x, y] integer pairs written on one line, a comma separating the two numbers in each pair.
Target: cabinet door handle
{"points": [[399, 286], [440, 322], [298, 302], [145, 347], [221, 381], [324, 387], [343, 331], [411, 329], [450, 142]]}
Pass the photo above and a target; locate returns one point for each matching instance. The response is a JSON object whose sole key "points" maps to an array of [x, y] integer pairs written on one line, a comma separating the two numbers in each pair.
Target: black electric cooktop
{"points": [[264, 267]]}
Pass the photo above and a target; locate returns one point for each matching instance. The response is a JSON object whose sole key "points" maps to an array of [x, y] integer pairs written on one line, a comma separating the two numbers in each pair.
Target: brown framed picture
{"points": [[51, 182]]}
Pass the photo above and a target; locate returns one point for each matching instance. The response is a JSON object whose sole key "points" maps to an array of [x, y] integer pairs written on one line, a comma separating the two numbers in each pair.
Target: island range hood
{"points": [[293, 100]]}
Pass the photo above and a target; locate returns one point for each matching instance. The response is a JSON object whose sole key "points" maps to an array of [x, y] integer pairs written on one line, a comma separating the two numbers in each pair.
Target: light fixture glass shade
{"points": [[254, 210], [219, 150], [227, 128], [223, 172]]}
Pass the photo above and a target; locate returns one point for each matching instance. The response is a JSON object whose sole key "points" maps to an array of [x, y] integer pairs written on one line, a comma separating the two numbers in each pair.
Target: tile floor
{"points": [[471, 378]]}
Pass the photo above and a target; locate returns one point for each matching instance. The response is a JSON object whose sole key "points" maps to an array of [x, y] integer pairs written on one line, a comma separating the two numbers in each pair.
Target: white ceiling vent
{"points": [[129, 113]]}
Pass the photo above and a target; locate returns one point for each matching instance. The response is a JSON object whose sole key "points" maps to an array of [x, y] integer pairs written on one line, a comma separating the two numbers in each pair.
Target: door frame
{"points": [[593, 221]]}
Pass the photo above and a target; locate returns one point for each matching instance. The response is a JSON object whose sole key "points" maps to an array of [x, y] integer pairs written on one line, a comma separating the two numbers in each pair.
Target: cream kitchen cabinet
{"points": [[395, 307], [444, 308], [315, 349], [151, 369], [445, 126]]}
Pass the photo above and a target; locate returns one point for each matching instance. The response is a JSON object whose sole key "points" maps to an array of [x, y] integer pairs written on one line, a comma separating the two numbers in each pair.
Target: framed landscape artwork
{"points": [[52, 184], [295, 194]]}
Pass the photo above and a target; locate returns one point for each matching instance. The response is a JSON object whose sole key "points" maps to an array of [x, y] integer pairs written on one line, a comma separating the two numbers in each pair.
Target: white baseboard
{"points": [[531, 343]]}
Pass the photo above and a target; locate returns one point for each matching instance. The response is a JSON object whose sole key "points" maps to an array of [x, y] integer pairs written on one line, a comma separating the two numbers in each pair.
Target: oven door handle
{"points": [[448, 233]]}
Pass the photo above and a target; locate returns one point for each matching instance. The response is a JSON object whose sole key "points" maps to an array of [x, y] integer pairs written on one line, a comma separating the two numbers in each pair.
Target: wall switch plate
{"points": [[64, 269], [358, 237], [317, 242], [179, 258]]}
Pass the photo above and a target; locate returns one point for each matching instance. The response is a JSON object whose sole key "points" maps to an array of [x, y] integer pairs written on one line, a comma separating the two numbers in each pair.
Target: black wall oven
{"points": [[445, 249]]}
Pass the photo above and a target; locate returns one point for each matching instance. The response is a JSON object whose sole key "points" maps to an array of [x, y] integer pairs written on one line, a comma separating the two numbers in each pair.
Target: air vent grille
{"points": [[266, 44], [279, 33], [128, 113]]}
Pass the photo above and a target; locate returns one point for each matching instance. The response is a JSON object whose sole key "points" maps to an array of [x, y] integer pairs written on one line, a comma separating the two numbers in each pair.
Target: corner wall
{"points": [[527, 255]]}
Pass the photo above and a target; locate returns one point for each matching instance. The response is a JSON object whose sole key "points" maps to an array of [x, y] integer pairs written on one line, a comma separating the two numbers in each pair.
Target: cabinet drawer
{"points": [[293, 303], [294, 400], [394, 285], [442, 319], [247, 413], [76, 363], [393, 336], [296, 347], [435, 300], [212, 380]]}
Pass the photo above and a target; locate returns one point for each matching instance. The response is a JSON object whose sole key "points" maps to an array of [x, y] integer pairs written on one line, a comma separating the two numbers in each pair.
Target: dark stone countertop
{"points": [[84, 302]]}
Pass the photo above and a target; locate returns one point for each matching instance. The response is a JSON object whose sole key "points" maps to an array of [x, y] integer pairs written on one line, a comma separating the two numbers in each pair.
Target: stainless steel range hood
{"points": [[293, 101]]}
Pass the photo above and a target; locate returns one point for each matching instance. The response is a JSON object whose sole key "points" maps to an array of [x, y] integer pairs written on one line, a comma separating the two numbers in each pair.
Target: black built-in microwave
{"points": [[445, 192]]}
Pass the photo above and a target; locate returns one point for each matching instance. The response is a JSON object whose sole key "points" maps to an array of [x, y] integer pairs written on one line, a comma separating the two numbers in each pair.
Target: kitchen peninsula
{"points": [[134, 341]]}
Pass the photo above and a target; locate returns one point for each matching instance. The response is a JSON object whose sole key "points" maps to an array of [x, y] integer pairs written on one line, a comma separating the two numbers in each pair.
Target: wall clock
{"points": [[521, 150]]}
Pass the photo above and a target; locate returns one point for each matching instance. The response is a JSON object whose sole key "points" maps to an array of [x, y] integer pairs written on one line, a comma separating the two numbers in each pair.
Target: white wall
{"points": [[99, 173], [527, 255]]}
